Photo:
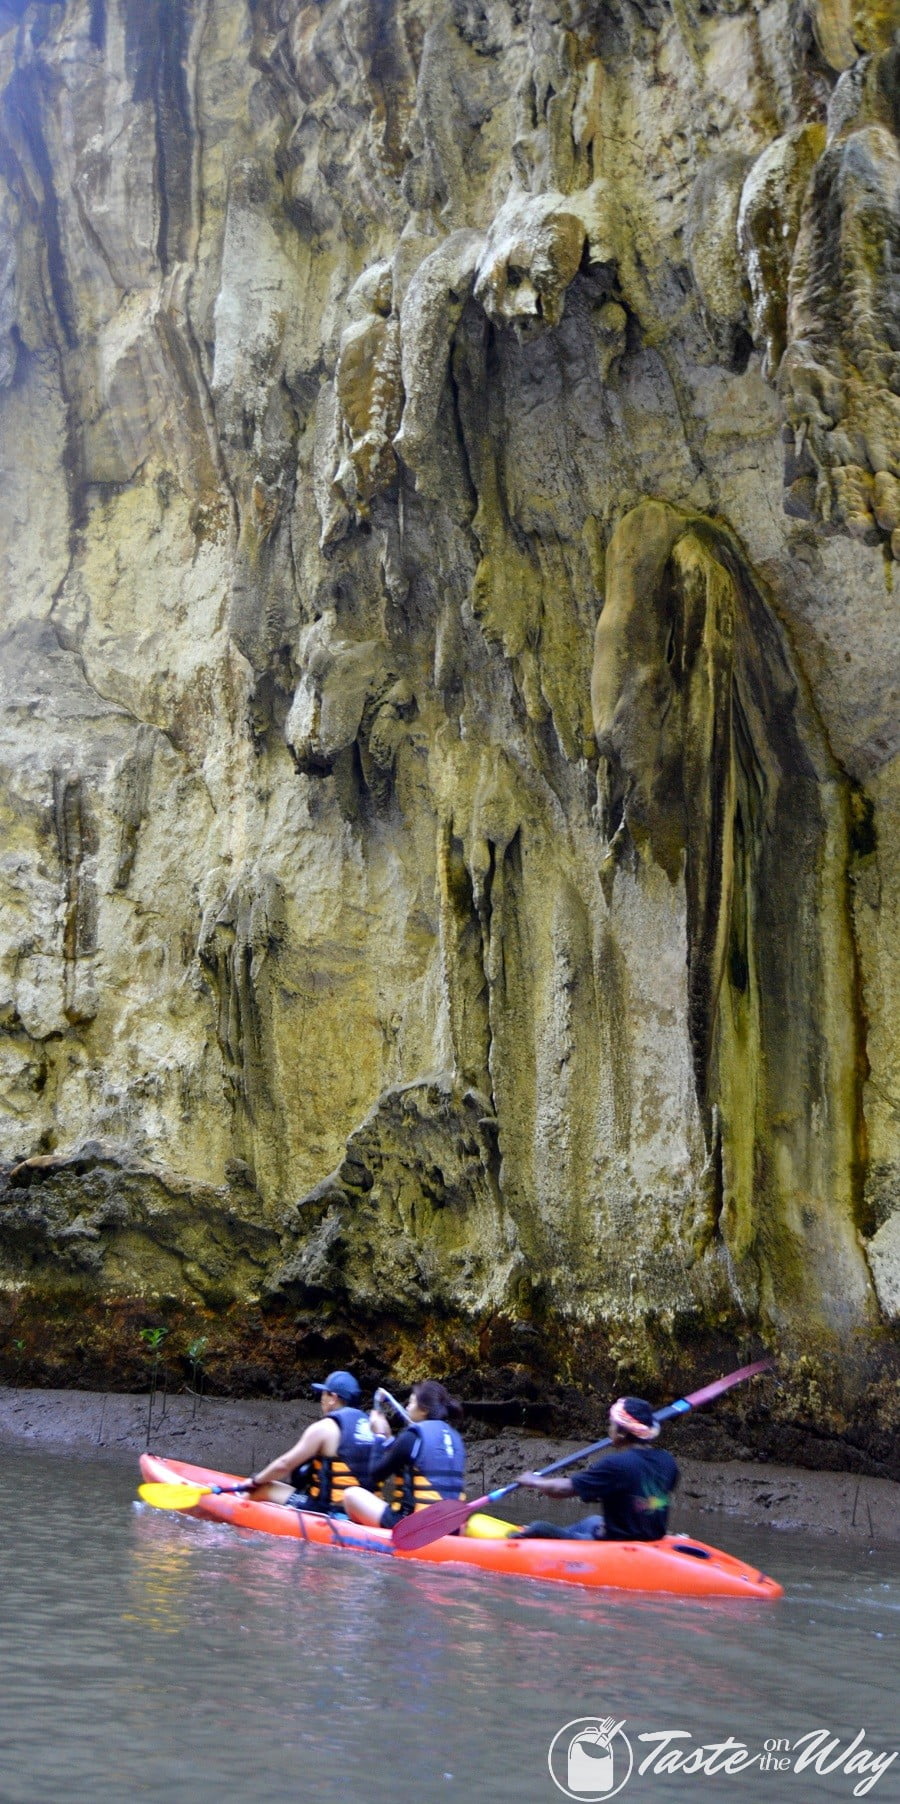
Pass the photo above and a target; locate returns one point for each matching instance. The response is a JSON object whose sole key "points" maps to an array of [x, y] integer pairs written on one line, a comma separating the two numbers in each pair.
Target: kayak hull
{"points": [[676, 1566]]}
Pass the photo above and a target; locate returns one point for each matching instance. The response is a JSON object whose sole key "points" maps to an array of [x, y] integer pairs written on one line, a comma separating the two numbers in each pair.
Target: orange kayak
{"points": [[677, 1565]]}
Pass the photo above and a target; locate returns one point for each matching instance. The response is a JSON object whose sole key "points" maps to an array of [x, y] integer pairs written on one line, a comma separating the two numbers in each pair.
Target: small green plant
{"points": [[195, 1351], [153, 1339]]}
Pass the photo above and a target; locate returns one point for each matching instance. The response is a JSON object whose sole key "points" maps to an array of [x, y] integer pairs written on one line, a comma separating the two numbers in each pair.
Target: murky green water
{"points": [[146, 1655]]}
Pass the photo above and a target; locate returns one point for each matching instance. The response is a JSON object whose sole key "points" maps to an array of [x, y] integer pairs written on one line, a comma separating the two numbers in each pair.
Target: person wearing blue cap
{"points": [[331, 1454]]}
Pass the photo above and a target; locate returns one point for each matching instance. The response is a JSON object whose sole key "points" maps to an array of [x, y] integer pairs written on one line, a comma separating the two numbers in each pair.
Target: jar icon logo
{"points": [[591, 1759], [591, 1762]]}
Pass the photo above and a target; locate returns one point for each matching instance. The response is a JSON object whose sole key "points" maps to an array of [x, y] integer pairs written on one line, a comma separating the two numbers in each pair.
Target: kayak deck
{"points": [[677, 1565]]}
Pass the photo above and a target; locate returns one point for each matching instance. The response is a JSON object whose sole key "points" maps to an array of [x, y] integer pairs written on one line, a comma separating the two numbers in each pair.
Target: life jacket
{"points": [[326, 1479], [436, 1469]]}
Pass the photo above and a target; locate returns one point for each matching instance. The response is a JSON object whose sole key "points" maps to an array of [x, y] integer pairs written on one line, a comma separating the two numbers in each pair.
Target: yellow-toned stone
{"points": [[365, 397]]}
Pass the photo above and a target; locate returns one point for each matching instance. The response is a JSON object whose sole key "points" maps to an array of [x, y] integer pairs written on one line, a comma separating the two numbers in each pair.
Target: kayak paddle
{"points": [[446, 1517], [184, 1497], [382, 1396]]}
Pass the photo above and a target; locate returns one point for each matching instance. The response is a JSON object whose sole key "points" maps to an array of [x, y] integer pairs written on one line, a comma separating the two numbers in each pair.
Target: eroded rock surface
{"points": [[716, 769], [374, 384]]}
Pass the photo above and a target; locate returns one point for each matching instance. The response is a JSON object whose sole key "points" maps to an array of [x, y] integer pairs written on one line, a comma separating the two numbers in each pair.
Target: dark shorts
{"points": [[299, 1500], [590, 1528]]}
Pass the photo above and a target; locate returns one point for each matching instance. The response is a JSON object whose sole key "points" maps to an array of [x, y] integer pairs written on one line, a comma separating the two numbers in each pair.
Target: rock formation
{"points": [[449, 732]]}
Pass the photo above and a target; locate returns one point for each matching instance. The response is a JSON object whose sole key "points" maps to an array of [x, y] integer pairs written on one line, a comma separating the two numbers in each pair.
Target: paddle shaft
{"points": [[183, 1496], [445, 1517], [681, 1408], [383, 1396]]}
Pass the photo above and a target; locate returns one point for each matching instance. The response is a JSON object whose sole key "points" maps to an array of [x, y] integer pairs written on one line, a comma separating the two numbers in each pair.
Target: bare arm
{"points": [[551, 1487], [319, 1438]]}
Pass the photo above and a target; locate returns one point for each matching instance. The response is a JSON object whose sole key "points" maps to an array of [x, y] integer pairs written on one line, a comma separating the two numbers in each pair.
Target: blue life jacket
{"points": [[326, 1480], [437, 1467]]}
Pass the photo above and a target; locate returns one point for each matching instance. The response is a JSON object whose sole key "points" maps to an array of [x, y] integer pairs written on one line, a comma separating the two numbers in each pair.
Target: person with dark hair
{"points": [[427, 1459], [331, 1455], [634, 1484]]}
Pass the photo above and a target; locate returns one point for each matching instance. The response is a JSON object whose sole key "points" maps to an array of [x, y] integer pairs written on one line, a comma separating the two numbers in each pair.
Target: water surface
{"points": [[149, 1655]]}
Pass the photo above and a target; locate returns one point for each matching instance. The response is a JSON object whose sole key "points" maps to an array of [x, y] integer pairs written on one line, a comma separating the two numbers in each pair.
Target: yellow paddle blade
{"points": [[173, 1497]]}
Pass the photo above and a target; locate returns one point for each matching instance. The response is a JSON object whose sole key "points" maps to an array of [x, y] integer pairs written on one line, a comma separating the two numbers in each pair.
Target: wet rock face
{"points": [[819, 231], [715, 768], [448, 696]]}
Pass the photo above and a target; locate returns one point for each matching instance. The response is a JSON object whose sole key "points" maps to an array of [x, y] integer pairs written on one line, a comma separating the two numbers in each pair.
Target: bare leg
{"points": [[363, 1506]]}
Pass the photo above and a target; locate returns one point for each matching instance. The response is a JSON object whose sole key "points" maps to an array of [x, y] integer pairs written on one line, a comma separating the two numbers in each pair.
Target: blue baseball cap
{"points": [[343, 1384]]}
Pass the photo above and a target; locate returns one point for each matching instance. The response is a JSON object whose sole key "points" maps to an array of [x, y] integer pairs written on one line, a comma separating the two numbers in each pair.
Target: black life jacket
{"points": [[436, 1469], [326, 1480]]}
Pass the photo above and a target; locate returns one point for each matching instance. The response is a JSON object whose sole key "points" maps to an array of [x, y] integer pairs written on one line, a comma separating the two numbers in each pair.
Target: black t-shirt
{"points": [[635, 1488]]}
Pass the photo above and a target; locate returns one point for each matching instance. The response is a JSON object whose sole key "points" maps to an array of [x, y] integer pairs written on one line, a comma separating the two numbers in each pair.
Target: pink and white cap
{"points": [[635, 1417]]}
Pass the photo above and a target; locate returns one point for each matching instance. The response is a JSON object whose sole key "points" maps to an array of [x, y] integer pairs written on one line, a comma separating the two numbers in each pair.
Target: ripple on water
{"points": [[145, 1653]]}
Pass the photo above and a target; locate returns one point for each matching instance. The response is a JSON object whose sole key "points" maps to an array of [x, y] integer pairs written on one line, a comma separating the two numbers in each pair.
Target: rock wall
{"points": [[449, 732]]}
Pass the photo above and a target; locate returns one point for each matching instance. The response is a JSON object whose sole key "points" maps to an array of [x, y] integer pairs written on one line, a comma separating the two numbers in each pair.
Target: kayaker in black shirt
{"points": [[428, 1459], [634, 1484]]}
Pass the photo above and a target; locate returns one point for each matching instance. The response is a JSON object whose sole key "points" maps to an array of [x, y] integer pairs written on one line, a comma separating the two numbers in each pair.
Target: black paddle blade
{"points": [[430, 1524]]}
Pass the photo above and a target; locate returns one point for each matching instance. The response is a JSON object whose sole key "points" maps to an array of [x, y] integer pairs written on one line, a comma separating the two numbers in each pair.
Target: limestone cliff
{"points": [[449, 734]]}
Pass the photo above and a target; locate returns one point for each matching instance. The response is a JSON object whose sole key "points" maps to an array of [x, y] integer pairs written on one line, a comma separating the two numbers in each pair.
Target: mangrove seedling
{"points": [[195, 1351], [153, 1339]]}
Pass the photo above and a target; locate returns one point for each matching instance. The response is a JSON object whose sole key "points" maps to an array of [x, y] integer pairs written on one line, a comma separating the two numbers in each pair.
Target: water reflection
{"points": [[179, 1565], [145, 1652]]}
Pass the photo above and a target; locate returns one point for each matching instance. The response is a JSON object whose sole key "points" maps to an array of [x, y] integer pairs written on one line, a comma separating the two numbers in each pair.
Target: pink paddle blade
{"points": [[428, 1525], [446, 1517], [724, 1384]]}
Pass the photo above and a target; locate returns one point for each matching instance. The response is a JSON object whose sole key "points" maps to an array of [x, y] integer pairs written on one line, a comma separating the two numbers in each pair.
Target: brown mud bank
{"points": [[235, 1434], [828, 1407]]}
